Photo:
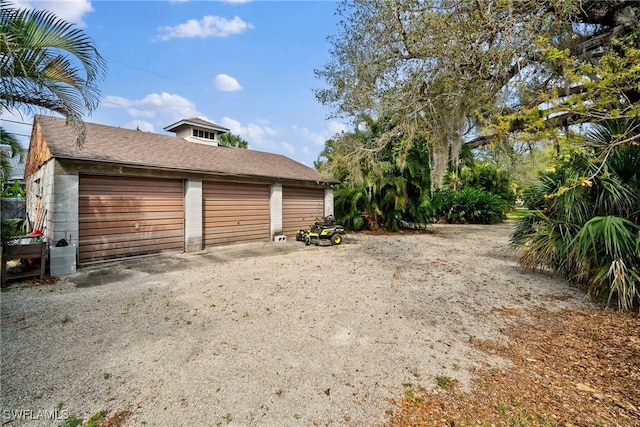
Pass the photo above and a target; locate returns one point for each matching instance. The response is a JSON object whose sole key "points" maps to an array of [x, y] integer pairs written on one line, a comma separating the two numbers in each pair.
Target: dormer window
{"points": [[204, 134], [197, 130]]}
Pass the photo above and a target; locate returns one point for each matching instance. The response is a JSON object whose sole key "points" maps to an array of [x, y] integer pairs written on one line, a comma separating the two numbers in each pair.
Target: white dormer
{"points": [[197, 130]]}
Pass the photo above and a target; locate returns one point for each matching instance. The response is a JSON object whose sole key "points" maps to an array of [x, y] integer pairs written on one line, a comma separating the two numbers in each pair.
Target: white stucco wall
{"points": [[328, 202], [275, 201], [193, 215]]}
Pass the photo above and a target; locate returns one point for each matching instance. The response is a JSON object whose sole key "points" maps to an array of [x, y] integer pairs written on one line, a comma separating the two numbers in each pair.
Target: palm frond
{"points": [[48, 63], [608, 260]]}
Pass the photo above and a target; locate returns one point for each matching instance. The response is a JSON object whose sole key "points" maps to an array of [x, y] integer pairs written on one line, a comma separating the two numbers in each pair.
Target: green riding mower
{"points": [[322, 233]]}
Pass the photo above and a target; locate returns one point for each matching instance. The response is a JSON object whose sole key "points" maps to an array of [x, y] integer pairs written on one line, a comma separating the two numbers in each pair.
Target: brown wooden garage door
{"points": [[124, 216], [301, 207], [234, 213]]}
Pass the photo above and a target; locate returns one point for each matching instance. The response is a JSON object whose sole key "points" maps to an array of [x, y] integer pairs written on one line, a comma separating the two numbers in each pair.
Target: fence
{"points": [[13, 208]]}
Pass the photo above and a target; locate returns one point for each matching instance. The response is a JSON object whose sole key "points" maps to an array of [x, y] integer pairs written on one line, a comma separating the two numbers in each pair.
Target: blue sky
{"points": [[246, 65]]}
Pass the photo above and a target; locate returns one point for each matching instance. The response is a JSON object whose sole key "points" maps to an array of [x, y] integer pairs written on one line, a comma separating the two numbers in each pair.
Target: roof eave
{"points": [[178, 125], [192, 170]]}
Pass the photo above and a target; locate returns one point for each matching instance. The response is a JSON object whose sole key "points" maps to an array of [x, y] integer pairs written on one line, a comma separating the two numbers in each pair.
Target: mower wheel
{"points": [[336, 239], [307, 240]]}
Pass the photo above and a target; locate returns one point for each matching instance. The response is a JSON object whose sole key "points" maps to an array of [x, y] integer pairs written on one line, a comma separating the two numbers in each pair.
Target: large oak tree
{"points": [[455, 72]]}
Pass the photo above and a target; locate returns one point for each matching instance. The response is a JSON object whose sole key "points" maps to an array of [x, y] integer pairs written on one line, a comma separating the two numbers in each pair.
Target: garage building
{"points": [[127, 192]]}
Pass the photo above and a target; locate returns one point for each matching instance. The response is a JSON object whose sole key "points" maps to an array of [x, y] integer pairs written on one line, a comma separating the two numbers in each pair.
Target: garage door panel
{"points": [[234, 189], [231, 222], [125, 186], [123, 239], [99, 216], [234, 213], [88, 223], [238, 235], [243, 215], [119, 228], [130, 191], [124, 216], [92, 204], [234, 233], [301, 207], [226, 204], [234, 226], [121, 251]]}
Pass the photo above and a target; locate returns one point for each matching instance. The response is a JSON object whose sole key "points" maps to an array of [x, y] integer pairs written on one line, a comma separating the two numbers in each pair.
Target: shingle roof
{"points": [[131, 147], [197, 122]]}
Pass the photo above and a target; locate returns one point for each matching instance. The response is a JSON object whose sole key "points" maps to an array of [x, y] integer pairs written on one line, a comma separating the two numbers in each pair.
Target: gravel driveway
{"points": [[274, 334]]}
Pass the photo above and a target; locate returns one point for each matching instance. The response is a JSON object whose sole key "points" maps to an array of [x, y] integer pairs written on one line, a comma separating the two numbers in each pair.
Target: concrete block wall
{"points": [[63, 221], [52, 205]]}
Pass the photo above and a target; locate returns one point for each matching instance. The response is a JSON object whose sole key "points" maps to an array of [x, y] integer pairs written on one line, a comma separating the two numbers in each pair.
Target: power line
{"points": [[15, 121], [148, 71]]}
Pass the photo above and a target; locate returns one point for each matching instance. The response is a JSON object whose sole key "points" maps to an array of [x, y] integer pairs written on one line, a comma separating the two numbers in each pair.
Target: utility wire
{"points": [[148, 71], [15, 121]]}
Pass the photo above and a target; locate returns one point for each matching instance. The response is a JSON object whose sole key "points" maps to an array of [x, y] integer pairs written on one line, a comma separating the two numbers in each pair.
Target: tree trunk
{"points": [[439, 163]]}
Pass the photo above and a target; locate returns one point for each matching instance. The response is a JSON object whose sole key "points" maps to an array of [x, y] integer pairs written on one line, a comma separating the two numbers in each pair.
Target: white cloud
{"points": [[308, 142], [236, 1], [226, 83], [261, 135], [288, 147], [319, 138], [316, 137], [139, 124], [208, 26], [158, 106], [336, 127], [68, 10], [115, 101]]}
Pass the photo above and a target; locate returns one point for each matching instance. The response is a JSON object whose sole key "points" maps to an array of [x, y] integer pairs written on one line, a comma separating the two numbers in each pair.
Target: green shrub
{"points": [[468, 206], [10, 229], [585, 224], [489, 178], [349, 204]]}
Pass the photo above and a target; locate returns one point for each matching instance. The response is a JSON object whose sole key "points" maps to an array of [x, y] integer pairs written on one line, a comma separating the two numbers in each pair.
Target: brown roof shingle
{"points": [[131, 147]]}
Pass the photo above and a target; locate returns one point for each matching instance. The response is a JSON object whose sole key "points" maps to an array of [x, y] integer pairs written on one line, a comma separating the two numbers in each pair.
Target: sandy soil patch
{"points": [[302, 336]]}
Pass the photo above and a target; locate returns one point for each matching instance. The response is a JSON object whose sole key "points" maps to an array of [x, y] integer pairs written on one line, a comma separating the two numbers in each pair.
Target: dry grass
{"points": [[572, 368]]}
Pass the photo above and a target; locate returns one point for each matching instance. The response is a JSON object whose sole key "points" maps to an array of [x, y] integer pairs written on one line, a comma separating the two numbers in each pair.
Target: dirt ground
{"points": [[568, 368], [280, 334]]}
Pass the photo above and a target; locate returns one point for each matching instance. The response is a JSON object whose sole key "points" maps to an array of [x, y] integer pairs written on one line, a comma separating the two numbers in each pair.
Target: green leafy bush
{"points": [[484, 176], [349, 205], [586, 220], [468, 206], [15, 190], [9, 229]]}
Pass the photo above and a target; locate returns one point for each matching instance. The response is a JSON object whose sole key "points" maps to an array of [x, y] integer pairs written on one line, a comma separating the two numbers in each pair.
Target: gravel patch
{"points": [[298, 337]]}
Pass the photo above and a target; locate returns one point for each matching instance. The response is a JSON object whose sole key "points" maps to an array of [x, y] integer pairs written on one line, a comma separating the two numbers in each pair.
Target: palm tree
{"points": [[47, 63], [383, 185], [15, 149], [232, 140], [586, 223]]}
